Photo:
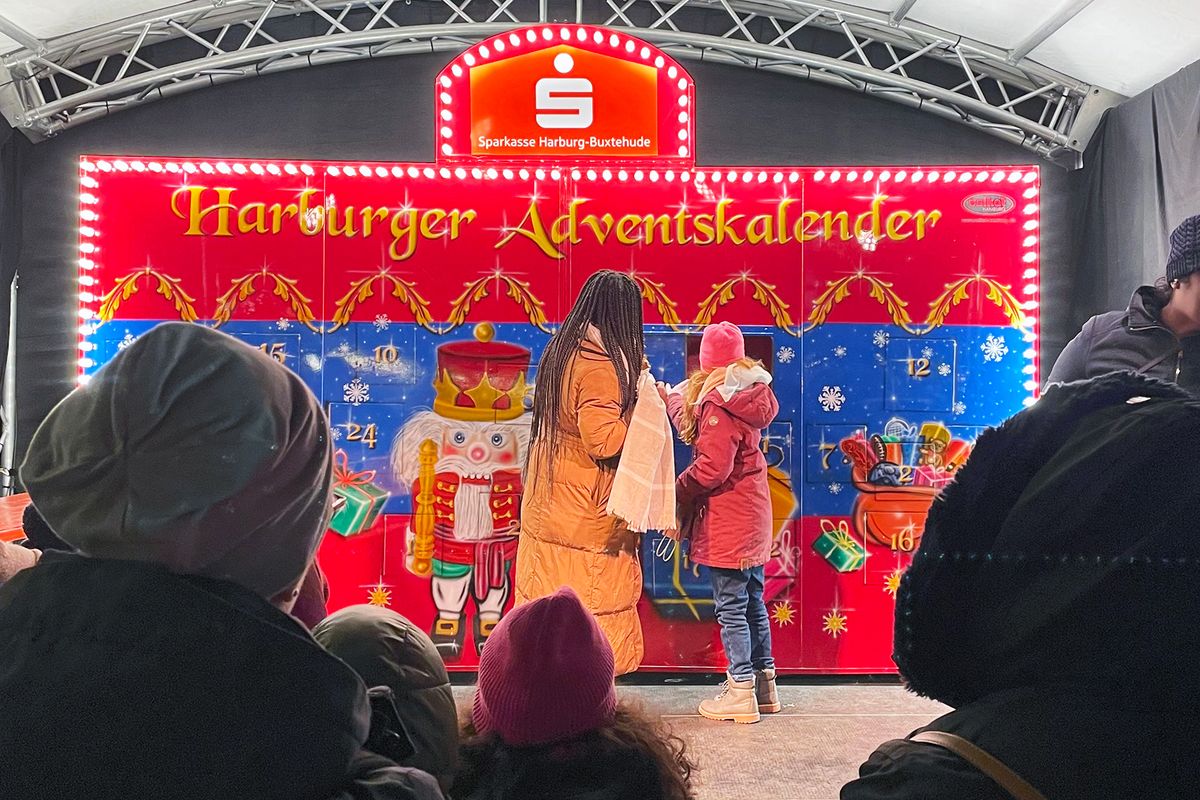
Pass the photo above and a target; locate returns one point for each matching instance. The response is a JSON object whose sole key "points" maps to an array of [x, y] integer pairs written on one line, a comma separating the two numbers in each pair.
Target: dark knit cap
{"points": [[546, 674], [1185, 249]]}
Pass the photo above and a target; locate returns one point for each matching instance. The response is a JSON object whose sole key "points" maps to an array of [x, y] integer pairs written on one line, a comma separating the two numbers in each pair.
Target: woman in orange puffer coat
{"points": [[586, 388]]}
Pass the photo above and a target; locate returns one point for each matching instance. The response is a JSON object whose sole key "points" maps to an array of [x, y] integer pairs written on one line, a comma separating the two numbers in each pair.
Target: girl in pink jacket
{"points": [[721, 411]]}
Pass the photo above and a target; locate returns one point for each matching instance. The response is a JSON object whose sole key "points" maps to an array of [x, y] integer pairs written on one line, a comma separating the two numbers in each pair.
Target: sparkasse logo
{"points": [[989, 204], [564, 102]]}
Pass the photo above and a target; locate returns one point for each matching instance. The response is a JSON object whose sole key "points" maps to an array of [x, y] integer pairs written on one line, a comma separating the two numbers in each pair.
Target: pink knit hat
{"points": [[546, 674], [721, 345]]}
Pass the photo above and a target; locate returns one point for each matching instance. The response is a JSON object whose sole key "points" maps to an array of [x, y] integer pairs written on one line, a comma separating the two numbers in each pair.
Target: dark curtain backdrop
{"points": [[382, 110], [1141, 178]]}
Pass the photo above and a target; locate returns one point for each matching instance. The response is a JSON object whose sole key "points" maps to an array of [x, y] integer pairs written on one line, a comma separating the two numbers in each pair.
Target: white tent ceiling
{"points": [[1124, 46]]}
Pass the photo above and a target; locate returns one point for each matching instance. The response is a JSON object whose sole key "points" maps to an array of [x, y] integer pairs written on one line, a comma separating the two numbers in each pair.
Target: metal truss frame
{"points": [[50, 86]]}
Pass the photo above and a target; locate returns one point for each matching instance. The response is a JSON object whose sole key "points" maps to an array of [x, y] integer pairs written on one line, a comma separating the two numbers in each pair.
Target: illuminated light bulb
{"points": [[306, 169], [460, 173], [581, 35], [981, 176], [172, 167], [87, 280], [86, 297], [500, 46], [1029, 401], [762, 177], [1030, 225], [614, 41], [531, 36], [917, 176], [1030, 177], [104, 166], [447, 115], [1029, 305], [669, 175], [121, 166], [835, 176], [683, 117], [868, 175], [683, 177], [1030, 353], [87, 166], [564, 34], [644, 53], [598, 37], [89, 183], [87, 247], [446, 98], [659, 62], [555, 175], [932, 176], [1030, 241], [682, 84], [445, 81], [83, 380], [86, 263], [591, 174], [256, 169], [484, 52], [88, 215], [1030, 193], [683, 151], [653, 176], [1030, 274], [290, 169], [998, 176], [539, 174], [1031, 385], [777, 177], [447, 149], [155, 166], [457, 70], [524, 174], [86, 362], [514, 40], [428, 172], [885, 176], [86, 330], [575, 174], [963, 178], [189, 166], [732, 176], [88, 199], [683, 101], [630, 46], [332, 170], [490, 174], [476, 174], [819, 175], [1013, 177], [1029, 258], [508, 174], [622, 175], [1030, 288], [138, 166], [87, 347], [747, 177], [606, 175], [1031, 208], [87, 232], [469, 60], [239, 168], [381, 172], [412, 172], [443, 173], [637, 175], [852, 175], [86, 313]]}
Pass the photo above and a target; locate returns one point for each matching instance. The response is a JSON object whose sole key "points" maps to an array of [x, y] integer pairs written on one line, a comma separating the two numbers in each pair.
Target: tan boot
{"points": [[735, 702], [766, 693]]}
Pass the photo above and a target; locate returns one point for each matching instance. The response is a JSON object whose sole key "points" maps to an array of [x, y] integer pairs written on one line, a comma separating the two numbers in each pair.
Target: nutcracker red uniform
{"points": [[463, 461]]}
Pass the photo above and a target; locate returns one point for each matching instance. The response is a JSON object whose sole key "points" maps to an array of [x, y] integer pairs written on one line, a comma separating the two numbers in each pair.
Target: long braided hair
{"points": [[612, 302]]}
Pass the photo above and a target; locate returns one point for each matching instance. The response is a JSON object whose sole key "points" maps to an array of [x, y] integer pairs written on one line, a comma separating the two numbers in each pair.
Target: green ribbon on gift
{"points": [[838, 547]]}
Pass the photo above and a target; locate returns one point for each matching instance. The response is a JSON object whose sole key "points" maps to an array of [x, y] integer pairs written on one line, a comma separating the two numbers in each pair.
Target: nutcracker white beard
{"points": [[473, 500]]}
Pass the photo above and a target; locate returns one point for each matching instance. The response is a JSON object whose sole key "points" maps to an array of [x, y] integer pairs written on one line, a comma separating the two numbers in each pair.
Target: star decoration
{"points": [[891, 584], [835, 623], [379, 596], [783, 613]]}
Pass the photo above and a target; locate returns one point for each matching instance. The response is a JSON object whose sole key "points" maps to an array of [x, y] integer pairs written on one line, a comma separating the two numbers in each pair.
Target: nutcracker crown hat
{"points": [[546, 674], [1065, 553], [192, 450], [481, 380], [1185, 249]]}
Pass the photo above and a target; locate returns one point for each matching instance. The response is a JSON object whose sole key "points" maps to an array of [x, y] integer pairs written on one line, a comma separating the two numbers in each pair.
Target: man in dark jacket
{"points": [[1053, 604], [192, 479], [1158, 335]]}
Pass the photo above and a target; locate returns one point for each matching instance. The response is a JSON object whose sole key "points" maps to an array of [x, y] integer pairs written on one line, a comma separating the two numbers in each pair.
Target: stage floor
{"points": [[806, 752]]}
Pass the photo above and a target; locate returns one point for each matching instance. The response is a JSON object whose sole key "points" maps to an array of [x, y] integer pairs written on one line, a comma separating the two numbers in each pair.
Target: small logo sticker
{"points": [[712, 420], [989, 204]]}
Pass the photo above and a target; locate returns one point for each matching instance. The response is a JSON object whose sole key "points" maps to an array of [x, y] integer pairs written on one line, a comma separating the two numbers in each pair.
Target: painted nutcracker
{"points": [[463, 461]]}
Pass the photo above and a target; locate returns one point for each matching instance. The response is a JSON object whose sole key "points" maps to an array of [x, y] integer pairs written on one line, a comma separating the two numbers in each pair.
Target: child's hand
{"points": [[671, 534], [662, 390]]}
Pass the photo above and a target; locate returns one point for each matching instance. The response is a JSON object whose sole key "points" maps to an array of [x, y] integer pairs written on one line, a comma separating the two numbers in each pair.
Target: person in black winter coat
{"points": [[387, 650], [1053, 603], [192, 476], [1157, 336]]}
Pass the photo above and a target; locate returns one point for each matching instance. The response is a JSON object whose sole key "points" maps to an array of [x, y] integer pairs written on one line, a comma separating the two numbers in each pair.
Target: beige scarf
{"points": [[643, 492]]}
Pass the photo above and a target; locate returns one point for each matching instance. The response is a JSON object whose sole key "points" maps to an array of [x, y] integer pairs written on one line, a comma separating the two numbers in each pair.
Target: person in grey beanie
{"points": [[192, 478], [1158, 335]]}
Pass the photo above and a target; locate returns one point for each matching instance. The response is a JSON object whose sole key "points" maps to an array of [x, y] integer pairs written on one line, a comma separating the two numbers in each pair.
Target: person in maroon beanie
{"points": [[546, 723]]}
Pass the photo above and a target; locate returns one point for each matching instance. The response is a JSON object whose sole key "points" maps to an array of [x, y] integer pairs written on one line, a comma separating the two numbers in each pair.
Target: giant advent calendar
{"points": [[895, 307]]}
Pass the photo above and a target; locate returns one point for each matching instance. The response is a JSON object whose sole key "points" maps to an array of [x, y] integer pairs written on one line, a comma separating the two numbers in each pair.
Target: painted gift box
{"points": [[838, 547], [931, 476], [363, 500]]}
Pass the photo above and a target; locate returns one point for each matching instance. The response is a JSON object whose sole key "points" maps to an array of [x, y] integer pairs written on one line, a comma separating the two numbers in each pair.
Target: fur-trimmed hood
{"points": [[1065, 553]]}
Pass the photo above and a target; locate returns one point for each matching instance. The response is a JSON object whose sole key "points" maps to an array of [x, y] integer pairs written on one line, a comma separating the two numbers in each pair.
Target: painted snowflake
{"points": [[840, 351], [313, 362], [125, 342], [283, 324], [944, 370], [835, 488], [785, 355], [868, 241], [382, 322], [831, 398], [927, 352], [335, 433], [356, 392], [960, 408], [343, 350], [994, 348], [880, 338]]}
